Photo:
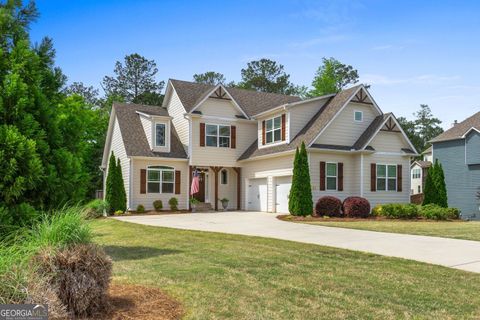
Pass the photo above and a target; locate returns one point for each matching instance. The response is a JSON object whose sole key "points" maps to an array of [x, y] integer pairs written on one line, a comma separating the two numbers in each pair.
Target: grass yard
{"points": [[220, 276], [468, 230]]}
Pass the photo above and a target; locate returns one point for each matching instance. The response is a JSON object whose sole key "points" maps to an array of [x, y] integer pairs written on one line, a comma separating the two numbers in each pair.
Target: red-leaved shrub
{"points": [[329, 206], [356, 207]]}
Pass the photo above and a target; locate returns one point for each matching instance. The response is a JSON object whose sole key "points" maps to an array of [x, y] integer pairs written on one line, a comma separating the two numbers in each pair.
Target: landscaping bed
{"points": [[139, 302]]}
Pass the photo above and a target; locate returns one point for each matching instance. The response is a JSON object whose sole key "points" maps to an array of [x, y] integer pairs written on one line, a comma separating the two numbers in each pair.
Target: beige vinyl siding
{"points": [[147, 128], [344, 130], [387, 141], [215, 156], [176, 111], [301, 114], [351, 174], [219, 108], [380, 197], [260, 129], [148, 198], [118, 149], [266, 168]]}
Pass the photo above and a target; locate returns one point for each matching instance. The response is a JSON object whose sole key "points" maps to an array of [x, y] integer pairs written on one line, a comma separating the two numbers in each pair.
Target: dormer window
{"points": [[160, 135], [273, 130]]}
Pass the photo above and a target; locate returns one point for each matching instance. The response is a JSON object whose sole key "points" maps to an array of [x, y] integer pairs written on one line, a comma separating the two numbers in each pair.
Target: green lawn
{"points": [[219, 276], [468, 230]]}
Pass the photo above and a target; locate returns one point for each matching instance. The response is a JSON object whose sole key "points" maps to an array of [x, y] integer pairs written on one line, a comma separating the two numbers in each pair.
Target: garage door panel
{"points": [[257, 195], [282, 191]]}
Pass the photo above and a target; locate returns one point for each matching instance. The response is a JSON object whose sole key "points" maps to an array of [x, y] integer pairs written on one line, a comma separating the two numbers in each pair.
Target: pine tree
{"points": [[305, 205], [293, 197], [429, 189], [300, 201], [110, 191], [122, 196], [440, 186]]}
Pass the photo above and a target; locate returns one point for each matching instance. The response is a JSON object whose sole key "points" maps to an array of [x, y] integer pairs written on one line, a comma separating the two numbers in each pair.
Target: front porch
{"points": [[216, 183]]}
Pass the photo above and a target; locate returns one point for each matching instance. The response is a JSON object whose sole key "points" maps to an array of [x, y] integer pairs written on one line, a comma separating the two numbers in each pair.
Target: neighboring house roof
{"points": [[310, 132], [459, 130], [428, 150], [133, 134], [251, 102], [422, 164]]}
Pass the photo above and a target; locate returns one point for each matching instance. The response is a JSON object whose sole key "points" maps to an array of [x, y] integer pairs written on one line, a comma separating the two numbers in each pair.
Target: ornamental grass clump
{"points": [[79, 275]]}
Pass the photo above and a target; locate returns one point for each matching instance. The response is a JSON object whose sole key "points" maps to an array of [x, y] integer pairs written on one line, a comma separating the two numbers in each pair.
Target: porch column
{"points": [[238, 170], [189, 186], [216, 170]]}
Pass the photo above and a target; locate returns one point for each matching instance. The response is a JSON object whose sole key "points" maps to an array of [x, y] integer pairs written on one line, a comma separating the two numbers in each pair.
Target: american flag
{"points": [[195, 183]]}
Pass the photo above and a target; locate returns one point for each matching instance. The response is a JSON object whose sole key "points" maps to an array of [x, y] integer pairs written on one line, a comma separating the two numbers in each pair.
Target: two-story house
{"points": [[458, 150], [242, 143], [419, 170]]}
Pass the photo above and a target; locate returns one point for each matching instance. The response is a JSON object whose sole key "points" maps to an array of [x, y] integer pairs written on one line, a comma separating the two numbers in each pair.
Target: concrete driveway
{"points": [[459, 254]]}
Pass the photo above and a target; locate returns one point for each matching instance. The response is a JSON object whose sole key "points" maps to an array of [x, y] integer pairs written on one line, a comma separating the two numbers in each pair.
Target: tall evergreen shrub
{"points": [[429, 189], [122, 195], [300, 201], [110, 192], [442, 199]]}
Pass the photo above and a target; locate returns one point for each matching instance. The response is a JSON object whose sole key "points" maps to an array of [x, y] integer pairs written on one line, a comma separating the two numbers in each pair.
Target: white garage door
{"points": [[257, 194], [282, 191]]}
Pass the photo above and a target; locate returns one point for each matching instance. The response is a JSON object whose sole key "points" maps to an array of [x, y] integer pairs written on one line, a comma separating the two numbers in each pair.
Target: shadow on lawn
{"points": [[119, 253]]}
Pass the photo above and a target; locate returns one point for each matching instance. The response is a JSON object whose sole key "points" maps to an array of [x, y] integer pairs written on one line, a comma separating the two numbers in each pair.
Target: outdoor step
{"points": [[203, 207]]}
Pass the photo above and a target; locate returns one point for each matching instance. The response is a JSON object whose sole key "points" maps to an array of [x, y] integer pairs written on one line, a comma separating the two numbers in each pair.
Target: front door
{"points": [[200, 195]]}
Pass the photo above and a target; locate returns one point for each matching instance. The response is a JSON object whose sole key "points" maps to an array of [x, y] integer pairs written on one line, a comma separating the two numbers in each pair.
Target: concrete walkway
{"points": [[459, 254]]}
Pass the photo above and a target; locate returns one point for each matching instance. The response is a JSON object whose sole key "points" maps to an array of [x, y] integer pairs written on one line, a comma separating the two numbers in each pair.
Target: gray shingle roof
{"points": [[133, 135], [251, 102], [457, 131], [370, 131], [310, 131], [423, 164]]}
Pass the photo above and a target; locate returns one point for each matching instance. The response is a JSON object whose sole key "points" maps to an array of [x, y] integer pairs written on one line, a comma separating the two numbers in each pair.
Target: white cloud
{"points": [[387, 47], [320, 40]]}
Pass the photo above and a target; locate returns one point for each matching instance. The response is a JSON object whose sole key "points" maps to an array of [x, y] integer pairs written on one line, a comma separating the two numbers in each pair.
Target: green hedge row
{"points": [[413, 211]]}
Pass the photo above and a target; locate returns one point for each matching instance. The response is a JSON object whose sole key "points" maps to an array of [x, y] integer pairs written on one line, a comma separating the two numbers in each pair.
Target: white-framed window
{"points": [[217, 135], [273, 130], [386, 177], [160, 179], [224, 176], [416, 173], [358, 116], [331, 175], [160, 135]]}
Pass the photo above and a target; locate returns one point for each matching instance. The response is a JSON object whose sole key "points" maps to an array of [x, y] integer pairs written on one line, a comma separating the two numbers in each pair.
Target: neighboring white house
{"points": [[243, 142], [418, 171]]}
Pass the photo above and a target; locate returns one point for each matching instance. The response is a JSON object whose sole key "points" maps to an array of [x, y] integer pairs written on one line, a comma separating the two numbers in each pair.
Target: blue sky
{"points": [[411, 52]]}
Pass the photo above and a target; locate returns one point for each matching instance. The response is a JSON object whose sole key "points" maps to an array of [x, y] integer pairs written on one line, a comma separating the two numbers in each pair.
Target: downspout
{"points": [[130, 184]]}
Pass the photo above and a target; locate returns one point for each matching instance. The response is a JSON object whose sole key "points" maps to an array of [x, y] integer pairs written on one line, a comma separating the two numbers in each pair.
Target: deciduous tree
{"points": [[332, 76]]}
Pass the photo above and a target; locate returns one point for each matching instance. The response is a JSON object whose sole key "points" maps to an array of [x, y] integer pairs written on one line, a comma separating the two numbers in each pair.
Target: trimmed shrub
{"points": [[118, 213], [94, 209], [399, 211], [329, 206], [140, 208], [158, 205], [377, 210], [356, 207], [436, 212], [79, 275], [173, 203]]}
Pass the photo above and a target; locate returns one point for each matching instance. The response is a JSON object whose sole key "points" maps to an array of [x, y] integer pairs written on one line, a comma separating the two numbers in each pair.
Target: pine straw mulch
{"points": [[139, 302], [288, 217]]}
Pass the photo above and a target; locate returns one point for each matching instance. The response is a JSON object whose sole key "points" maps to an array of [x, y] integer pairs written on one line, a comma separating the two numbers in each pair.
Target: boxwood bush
{"points": [[398, 211], [158, 205], [435, 212], [329, 206], [356, 207]]}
